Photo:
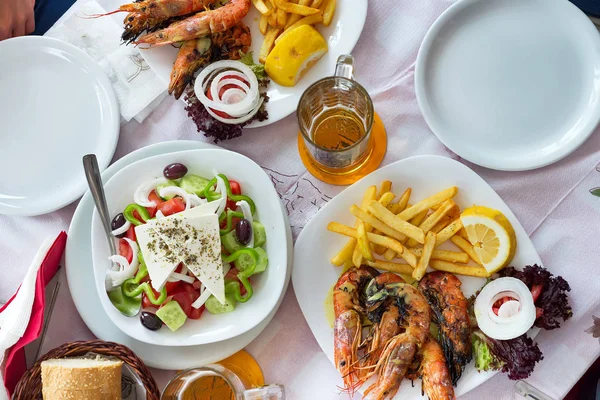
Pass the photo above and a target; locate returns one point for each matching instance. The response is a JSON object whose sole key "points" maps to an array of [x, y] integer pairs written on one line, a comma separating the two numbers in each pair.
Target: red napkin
{"points": [[15, 357]]}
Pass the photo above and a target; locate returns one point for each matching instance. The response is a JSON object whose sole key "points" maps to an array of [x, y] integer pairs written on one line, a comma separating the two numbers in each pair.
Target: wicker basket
{"points": [[30, 385]]}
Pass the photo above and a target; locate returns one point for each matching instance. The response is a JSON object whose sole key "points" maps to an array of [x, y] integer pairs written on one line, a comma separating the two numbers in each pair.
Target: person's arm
{"points": [[16, 18]]}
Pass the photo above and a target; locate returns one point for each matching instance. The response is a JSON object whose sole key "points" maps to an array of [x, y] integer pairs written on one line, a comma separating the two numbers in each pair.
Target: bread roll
{"points": [[81, 379]]}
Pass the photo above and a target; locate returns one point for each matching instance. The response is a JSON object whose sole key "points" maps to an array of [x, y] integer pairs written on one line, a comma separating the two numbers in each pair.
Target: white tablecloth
{"points": [[554, 204]]}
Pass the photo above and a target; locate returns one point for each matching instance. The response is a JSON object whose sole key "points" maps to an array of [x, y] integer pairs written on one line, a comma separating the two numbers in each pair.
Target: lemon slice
{"points": [[295, 54], [492, 236]]}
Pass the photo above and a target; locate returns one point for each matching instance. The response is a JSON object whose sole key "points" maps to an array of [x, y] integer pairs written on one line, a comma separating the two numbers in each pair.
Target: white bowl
{"points": [[268, 286]]}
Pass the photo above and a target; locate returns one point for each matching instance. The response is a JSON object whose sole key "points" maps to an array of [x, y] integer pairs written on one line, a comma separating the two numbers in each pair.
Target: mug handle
{"points": [[270, 392], [345, 66]]}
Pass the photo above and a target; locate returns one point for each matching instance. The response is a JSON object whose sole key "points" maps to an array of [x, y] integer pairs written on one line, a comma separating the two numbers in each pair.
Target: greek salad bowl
{"points": [[201, 243]]}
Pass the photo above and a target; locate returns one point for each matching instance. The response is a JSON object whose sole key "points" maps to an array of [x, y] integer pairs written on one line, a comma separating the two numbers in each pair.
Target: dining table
{"points": [[558, 206]]}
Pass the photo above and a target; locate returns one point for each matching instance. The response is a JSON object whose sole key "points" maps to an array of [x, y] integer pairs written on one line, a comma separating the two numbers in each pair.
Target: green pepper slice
{"points": [[211, 195], [143, 213], [233, 287], [229, 215], [132, 287]]}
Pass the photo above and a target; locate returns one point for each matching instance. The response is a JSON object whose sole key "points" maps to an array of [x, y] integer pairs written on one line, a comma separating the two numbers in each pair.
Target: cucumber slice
{"points": [[164, 185], [172, 315], [260, 235], [213, 305], [230, 242], [193, 184], [244, 261]]}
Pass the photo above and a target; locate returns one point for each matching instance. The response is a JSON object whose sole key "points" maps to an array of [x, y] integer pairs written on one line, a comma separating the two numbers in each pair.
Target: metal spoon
{"points": [[126, 305]]}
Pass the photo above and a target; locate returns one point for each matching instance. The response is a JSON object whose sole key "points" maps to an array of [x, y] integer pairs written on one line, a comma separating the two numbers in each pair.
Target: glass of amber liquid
{"points": [[236, 378], [335, 115]]}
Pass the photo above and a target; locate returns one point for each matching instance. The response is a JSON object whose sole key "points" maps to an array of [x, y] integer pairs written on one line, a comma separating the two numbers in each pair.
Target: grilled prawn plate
{"points": [[397, 317]]}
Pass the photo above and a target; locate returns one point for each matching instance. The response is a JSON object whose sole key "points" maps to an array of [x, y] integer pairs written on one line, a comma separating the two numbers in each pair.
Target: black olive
{"points": [[150, 321], [175, 171], [243, 231], [117, 222]]}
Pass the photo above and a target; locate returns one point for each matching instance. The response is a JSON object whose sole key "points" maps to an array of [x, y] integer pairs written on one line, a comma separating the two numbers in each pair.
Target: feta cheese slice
{"points": [[196, 243], [159, 258], [201, 210]]}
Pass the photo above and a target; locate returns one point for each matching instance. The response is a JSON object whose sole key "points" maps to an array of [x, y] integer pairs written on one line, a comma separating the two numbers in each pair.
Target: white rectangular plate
{"points": [[313, 275]]}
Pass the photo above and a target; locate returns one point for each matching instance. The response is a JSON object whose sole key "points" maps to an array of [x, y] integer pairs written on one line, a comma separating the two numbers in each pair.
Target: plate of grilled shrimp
{"points": [[292, 43], [421, 272]]}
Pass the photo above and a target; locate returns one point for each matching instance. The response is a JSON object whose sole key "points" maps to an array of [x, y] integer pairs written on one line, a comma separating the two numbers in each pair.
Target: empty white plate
{"points": [[56, 105], [510, 84]]}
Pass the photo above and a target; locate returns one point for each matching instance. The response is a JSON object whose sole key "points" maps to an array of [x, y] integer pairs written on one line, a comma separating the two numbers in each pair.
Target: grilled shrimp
{"points": [[385, 319], [399, 351], [192, 55], [434, 372], [149, 14], [198, 25], [449, 309], [347, 308], [228, 45]]}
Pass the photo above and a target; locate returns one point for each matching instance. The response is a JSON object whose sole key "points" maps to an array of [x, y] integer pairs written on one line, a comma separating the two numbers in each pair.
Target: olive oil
{"points": [[337, 128]]}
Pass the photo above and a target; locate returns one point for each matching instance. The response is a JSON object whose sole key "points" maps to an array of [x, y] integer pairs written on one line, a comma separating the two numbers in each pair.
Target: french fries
{"points": [[465, 246], [393, 221], [287, 15], [459, 269], [428, 203], [384, 241], [423, 263], [448, 231], [267, 45], [295, 8], [444, 255], [391, 267], [363, 242], [387, 230], [310, 20], [328, 8], [262, 7]]}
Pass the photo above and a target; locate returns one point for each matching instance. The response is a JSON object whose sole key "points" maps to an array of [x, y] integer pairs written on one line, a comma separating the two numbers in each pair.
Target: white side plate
{"points": [[268, 286], [56, 105], [510, 84], [78, 252], [313, 275], [341, 35]]}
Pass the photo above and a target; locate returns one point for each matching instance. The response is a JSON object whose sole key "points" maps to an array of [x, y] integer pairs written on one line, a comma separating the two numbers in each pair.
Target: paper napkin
{"points": [[22, 317], [135, 84]]}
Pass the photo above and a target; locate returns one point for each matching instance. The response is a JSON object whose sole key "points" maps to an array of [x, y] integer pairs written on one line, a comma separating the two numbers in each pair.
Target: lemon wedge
{"points": [[295, 54], [492, 236]]}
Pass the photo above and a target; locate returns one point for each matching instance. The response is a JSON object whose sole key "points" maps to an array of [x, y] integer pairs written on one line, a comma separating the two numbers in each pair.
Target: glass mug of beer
{"points": [[336, 115], [216, 381]]}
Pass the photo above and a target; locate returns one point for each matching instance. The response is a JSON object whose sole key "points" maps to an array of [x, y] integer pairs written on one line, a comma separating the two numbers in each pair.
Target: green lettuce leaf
{"points": [[258, 69]]}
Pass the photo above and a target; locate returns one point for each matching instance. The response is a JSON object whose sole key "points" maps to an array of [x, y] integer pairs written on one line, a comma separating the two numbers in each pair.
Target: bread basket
{"points": [[30, 385]]}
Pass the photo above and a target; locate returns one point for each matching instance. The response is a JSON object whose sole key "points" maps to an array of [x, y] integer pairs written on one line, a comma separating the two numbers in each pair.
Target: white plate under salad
{"points": [[341, 36], [267, 286], [314, 276], [78, 252]]}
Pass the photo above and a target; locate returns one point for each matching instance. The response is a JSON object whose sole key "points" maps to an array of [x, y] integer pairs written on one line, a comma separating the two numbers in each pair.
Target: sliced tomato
{"points": [[235, 189], [130, 234], [173, 286], [196, 313], [173, 206], [184, 301], [232, 276], [125, 250], [154, 197], [538, 312], [146, 303], [495, 310], [536, 290], [219, 113]]}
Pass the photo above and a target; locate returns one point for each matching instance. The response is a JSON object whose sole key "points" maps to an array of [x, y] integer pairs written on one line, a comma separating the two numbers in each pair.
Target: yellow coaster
{"points": [[378, 146]]}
